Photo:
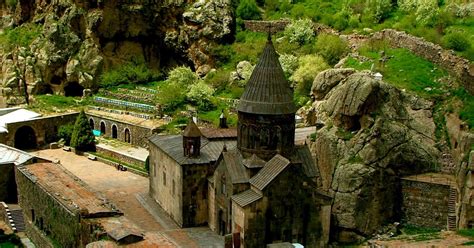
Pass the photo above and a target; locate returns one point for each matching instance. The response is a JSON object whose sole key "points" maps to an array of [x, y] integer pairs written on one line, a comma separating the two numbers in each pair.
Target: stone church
{"points": [[253, 182]]}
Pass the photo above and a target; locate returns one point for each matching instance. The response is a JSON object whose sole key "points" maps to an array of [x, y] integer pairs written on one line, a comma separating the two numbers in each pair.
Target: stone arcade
{"points": [[256, 185]]}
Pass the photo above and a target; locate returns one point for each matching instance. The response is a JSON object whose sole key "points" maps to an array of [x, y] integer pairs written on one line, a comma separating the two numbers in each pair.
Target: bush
{"points": [[457, 41], [65, 132], [82, 138], [182, 76], [200, 94], [331, 48], [131, 72], [11, 3], [21, 36], [300, 31], [378, 10], [309, 67], [248, 10], [289, 64], [171, 96]]}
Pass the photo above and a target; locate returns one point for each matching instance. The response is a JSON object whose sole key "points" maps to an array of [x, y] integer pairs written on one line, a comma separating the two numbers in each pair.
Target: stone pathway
{"points": [[129, 192]]}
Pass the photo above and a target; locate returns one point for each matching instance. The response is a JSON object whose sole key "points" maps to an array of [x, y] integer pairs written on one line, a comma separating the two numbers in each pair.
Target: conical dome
{"points": [[267, 91], [191, 130]]}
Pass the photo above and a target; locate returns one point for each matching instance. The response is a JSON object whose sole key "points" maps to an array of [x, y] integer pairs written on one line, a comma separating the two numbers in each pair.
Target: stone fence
{"points": [[455, 65]]}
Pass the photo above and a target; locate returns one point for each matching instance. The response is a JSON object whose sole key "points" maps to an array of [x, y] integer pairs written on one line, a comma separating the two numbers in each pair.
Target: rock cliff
{"points": [[370, 135], [80, 39]]}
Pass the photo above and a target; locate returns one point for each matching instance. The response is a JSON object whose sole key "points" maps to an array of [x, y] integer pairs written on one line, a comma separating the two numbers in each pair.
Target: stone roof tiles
{"points": [[219, 133], [10, 155], [192, 130], [254, 162], [269, 172], [233, 163], [247, 197], [267, 91]]}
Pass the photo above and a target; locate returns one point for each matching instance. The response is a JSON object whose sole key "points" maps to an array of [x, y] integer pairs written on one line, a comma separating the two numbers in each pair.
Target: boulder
{"points": [[327, 79]]}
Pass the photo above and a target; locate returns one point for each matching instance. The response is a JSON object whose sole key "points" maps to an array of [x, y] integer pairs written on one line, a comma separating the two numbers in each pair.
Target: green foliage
{"points": [[56, 103], [457, 41], [309, 67], [248, 10], [466, 233], [344, 134], [129, 73], [182, 75], [378, 10], [65, 132], [171, 96], [331, 47], [300, 31], [355, 160], [11, 3], [21, 36], [289, 64], [200, 94], [9, 240], [412, 230], [313, 136], [82, 138], [466, 112]]}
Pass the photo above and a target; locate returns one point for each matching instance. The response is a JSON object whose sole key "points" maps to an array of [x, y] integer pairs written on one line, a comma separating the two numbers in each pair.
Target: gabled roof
{"points": [[15, 116], [192, 130], [233, 164], [269, 172], [267, 91], [219, 133], [247, 197], [254, 162], [303, 154], [10, 155], [172, 145]]}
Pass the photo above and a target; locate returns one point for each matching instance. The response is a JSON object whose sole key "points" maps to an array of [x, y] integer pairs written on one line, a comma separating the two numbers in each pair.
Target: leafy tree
{"points": [[378, 10], [82, 138], [427, 12], [200, 94], [309, 67], [182, 75], [289, 64], [248, 10], [300, 31], [171, 96], [331, 47], [65, 132]]}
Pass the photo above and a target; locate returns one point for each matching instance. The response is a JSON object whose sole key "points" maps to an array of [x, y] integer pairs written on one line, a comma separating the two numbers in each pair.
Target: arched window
{"points": [[127, 136], [223, 184], [114, 131], [102, 128], [91, 123]]}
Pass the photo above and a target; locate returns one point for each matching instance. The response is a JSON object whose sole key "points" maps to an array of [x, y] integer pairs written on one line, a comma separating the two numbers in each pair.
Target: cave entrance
{"points": [[56, 80], [25, 138], [114, 132], [73, 89]]}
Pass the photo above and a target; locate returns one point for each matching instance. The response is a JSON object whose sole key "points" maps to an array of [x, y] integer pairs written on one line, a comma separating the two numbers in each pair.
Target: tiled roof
{"points": [[254, 162], [247, 197], [267, 91], [219, 133], [233, 163], [10, 155], [69, 190], [304, 155], [269, 172], [172, 145]]}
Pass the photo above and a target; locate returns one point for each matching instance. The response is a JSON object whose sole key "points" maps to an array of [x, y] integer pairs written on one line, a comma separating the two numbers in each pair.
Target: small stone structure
{"points": [[426, 199]]}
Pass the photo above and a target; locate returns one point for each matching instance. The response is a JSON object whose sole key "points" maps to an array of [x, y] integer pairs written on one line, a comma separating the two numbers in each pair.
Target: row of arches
{"points": [[114, 134]]}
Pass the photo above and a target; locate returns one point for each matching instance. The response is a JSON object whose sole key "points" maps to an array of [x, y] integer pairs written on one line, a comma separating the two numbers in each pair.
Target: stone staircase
{"points": [[14, 217], [452, 209]]}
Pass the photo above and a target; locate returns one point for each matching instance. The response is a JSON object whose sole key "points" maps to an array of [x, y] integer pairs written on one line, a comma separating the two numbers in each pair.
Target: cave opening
{"points": [[73, 89], [56, 80]]}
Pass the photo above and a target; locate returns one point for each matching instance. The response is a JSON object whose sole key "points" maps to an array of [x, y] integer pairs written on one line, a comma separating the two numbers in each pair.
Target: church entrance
{"points": [[25, 138]]}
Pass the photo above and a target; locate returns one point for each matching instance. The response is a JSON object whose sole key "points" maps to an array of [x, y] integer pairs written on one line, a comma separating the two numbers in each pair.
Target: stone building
{"points": [[61, 211], [262, 188]]}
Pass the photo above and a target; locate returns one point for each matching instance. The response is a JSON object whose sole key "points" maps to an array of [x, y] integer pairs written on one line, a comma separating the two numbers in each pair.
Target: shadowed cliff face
{"points": [[81, 39]]}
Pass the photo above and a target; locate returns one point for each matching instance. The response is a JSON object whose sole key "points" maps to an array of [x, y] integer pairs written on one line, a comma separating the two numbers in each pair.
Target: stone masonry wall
{"points": [[425, 204], [122, 157], [447, 59]]}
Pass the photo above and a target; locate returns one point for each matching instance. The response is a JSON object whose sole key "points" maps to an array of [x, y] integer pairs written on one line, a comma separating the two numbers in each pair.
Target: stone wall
{"points": [[457, 66], [425, 204], [138, 134], [7, 183], [45, 128], [122, 157]]}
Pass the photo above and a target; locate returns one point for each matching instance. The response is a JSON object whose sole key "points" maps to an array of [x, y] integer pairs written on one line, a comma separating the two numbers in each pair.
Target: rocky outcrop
{"points": [[372, 134], [81, 39]]}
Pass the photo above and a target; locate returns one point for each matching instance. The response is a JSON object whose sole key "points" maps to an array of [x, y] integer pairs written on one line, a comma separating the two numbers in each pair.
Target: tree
{"points": [[200, 94], [289, 64], [182, 75], [300, 31], [248, 10], [65, 133], [309, 67], [82, 138], [378, 10], [331, 47]]}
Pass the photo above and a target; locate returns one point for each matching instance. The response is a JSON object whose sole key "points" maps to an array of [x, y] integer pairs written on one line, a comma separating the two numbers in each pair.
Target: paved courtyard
{"points": [[129, 192]]}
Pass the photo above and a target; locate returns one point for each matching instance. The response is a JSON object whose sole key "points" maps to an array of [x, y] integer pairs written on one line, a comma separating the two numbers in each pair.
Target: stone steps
{"points": [[452, 209]]}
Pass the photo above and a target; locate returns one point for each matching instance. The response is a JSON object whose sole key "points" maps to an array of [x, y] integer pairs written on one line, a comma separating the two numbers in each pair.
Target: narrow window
{"points": [[174, 186], [223, 189], [164, 178]]}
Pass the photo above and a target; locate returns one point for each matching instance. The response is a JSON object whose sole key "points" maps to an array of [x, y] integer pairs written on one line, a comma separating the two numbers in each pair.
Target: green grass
{"points": [[470, 243], [7, 245], [414, 230], [21, 36], [466, 233], [57, 103]]}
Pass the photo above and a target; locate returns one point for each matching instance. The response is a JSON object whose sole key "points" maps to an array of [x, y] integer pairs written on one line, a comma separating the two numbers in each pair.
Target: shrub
{"points": [[200, 94], [457, 41], [289, 64], [65, 132], [331, 48], [171, 96], [378, 10], [300, 31], [82, 138], [131, 72], [309, 67], [182, 76], [11, 3], [427, 12], [248, 10], [21, 36], [341, 19]]}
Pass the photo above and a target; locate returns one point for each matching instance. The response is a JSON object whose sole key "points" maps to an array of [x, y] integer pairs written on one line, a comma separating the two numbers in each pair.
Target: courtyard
{"points": [[129, 192]]}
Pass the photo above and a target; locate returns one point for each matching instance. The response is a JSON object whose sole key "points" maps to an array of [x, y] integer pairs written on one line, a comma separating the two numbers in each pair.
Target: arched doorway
{"points": [[25, 138], [127, 136], [73, 89], [91, 123], [114, 131], [102, 128]]}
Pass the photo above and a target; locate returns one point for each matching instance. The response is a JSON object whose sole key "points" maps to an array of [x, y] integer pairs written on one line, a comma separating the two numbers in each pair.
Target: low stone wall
{"points": [[121, 157], [425, 204], [36, 236], [459, 67]]}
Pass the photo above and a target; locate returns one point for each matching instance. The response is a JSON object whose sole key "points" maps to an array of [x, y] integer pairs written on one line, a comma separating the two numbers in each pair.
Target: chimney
{"points": [[222, 121]]}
